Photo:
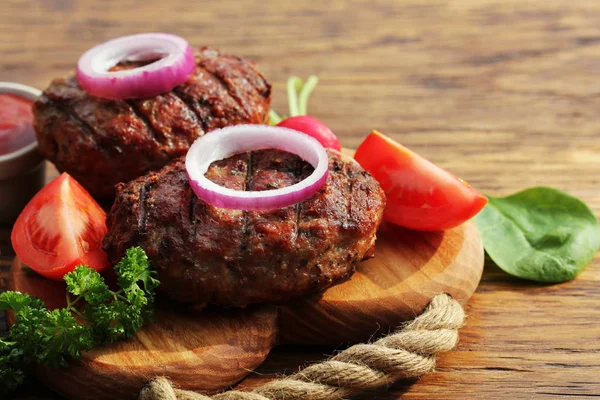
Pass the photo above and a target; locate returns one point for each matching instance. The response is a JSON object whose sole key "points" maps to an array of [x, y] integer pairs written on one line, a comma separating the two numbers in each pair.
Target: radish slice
{"points": [[174, 64], [222, 143]]}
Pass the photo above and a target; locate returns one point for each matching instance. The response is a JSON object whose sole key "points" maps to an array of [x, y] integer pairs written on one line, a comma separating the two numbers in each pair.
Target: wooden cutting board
{"points": [[212, 350]]}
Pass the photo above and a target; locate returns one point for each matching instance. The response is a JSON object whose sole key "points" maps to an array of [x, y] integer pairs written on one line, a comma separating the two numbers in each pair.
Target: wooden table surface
{"points": [[503, 93]]}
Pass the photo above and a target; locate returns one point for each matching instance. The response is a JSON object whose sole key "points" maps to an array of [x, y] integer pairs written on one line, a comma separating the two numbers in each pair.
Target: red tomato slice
{"points": [[61, 228], [420, 195]]}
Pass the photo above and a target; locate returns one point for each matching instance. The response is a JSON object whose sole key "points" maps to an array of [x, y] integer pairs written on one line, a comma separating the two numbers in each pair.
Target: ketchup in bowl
{"points": [[16, 118], [22, 168]]}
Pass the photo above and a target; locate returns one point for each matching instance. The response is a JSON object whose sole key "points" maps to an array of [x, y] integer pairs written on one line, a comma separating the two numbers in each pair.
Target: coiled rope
{"points": [[409, 352]]}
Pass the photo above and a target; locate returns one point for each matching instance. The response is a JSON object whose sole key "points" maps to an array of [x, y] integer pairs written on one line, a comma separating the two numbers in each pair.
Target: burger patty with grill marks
{"points": [[211, 255], [102, 142]]}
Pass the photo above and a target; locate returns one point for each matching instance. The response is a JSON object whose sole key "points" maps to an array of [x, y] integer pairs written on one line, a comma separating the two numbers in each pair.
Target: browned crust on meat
{"points": [[102, 142], [234, 258]]}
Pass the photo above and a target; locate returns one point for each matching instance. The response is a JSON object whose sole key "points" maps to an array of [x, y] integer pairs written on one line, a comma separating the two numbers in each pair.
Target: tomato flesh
{"points": [[61, 228], [313, 127], [420, 195]]}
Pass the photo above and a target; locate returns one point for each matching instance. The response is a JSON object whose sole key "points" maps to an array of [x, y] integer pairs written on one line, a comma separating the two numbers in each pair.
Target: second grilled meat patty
{"points": [[234, 258], [102, 142]]}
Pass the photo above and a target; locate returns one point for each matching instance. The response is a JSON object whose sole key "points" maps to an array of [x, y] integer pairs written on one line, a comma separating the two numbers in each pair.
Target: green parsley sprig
{"points": [[94, 315]]}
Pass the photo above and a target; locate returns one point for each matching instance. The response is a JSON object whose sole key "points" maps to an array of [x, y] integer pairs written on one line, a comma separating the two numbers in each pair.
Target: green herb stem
{"points": [[305, 93], [78, 313], [71, 304], [298, 94], [294, 84], [274, 118]]}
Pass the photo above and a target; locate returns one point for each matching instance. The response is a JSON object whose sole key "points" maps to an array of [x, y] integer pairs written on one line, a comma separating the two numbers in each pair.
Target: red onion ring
{"points": [[225, 142], [175, 65]]}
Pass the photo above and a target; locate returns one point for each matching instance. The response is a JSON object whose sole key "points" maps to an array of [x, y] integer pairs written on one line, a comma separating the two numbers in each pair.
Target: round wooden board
{"points": [[203, 351], [211, 350], [409, 268]]}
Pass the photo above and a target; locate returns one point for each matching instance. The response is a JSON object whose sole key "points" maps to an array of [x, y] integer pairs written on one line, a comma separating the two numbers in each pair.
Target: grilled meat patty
{"points": [[234, 258], [102, 142]]}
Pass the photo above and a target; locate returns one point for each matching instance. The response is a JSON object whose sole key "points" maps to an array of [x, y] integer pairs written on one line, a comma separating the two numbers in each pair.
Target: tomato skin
{"points": [[420, 195], [60, 228], [313, 127]]}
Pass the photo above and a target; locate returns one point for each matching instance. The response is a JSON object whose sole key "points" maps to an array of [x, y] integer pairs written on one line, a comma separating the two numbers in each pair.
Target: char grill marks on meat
{"points": [[234, 258], [101, 142]]}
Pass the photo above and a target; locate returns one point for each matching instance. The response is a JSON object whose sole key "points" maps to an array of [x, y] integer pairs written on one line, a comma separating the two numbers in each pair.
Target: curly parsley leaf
{"points": [[87, 282], [55, 337], [132, 305], [11, 359], [28, 333], [132, 271], [64, 338], [16, 301], [116, 320]]}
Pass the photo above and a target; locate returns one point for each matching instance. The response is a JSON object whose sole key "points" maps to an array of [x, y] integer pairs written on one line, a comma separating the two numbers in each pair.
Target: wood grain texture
{"points": [[504, 93], [409, 268], [201, 351], [211, 350]]}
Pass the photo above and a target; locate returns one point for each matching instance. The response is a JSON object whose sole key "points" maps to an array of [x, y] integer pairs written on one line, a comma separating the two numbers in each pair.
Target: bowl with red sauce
{"points": [[22, 168]]}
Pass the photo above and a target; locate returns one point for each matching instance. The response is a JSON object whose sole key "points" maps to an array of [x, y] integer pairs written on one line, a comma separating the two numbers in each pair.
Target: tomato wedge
{"points": [[61, 228], [420, 195]]}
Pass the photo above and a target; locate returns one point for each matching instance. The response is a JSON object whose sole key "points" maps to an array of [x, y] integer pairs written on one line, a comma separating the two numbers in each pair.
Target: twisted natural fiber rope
{"points": [[407, 353]]}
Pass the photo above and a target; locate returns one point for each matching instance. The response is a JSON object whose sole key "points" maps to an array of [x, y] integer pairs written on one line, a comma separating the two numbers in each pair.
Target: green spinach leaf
{"points": [[541, 234]]}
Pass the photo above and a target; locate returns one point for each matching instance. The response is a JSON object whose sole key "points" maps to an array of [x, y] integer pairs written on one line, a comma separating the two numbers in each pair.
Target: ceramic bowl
{"points": [[22, 172]]}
